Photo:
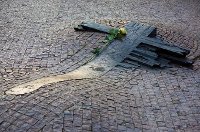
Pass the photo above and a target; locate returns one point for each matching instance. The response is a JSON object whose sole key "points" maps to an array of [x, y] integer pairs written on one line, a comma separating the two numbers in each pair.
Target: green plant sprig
{"points": [[114, 33]]}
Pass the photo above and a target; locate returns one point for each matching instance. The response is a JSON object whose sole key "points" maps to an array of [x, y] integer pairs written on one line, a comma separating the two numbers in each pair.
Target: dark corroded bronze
{"points": [[145, 47]]}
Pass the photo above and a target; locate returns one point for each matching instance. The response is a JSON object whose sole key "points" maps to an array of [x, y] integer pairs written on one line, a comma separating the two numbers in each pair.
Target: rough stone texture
{"points": [[37, 39]]}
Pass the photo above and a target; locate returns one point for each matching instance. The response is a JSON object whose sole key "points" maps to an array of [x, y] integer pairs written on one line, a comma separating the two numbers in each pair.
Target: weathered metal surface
{"points": [[92, 26], [164, 46], [141, 46]]}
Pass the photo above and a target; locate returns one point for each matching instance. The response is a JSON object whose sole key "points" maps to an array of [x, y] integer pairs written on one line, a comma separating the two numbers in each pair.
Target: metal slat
{"points": [[140, 46], [161, 45]]}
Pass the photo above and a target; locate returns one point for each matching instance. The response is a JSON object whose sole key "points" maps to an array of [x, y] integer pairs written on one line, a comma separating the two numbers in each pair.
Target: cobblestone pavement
{"points": [[37, 40]]}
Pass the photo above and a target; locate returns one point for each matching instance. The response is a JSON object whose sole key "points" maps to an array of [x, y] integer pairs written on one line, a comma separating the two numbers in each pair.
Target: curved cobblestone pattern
{"points": [[36, 40], [122, 100], [61, 57]]}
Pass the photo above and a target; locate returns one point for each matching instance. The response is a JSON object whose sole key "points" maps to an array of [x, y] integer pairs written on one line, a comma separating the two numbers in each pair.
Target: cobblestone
{"points": [[37, 39]]}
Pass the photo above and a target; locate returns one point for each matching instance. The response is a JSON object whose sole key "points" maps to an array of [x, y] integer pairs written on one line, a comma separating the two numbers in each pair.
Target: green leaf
{"points": [[96, 51], [114, 31], [120, 36], [110, 37]]}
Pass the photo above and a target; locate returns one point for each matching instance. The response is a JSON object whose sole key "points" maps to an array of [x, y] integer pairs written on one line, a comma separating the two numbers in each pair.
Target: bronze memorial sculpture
{"points": [[145, 48]]}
